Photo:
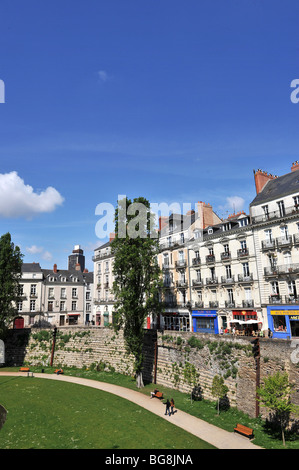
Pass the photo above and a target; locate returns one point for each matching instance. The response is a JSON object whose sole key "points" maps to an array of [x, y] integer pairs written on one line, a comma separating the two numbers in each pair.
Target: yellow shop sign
{"points": [[283, 312]]}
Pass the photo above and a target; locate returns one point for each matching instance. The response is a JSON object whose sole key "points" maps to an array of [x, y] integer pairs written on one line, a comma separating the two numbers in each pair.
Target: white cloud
{"points": [[20, 200], [103, 75], [236, 203], [34, 249], [39, 250]]}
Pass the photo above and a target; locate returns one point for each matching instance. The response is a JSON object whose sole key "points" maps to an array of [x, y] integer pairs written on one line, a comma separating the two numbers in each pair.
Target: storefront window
{"points": [[279, 323], [205, 323]]}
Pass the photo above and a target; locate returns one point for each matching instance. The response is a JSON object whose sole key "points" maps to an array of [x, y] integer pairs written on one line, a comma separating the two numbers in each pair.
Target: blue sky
{"points": [[176, 101]]}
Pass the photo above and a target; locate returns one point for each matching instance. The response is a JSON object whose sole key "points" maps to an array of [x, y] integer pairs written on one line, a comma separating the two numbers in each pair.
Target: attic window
{"points": [[210, 231]]}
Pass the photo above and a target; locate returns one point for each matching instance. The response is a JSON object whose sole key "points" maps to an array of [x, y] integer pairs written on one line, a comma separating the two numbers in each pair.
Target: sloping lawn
{"points": [[57, 415]]}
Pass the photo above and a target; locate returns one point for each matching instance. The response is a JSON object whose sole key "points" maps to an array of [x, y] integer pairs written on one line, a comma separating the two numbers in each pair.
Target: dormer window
{"points": [[210, 231]]}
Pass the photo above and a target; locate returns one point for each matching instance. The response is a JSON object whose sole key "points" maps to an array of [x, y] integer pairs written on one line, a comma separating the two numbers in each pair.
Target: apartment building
{"points": [[103, 281], [175, 233], [275, 219], [60, 297], [224, 285]]}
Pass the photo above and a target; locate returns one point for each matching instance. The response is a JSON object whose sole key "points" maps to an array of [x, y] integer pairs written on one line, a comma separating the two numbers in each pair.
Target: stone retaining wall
{"points": [[169, 356]]}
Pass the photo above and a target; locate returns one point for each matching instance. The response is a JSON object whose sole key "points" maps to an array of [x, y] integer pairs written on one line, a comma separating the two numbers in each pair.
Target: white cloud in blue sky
{"points": [[20, 200]]}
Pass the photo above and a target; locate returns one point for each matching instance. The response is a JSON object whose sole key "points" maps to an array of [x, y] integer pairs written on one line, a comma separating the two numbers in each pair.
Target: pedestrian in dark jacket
{"points": [[167, 411], [171, 406]]}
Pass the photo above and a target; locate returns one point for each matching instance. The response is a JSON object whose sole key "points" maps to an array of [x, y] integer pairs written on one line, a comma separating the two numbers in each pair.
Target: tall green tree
{"points": [[10, 274], [275, 394], [137, 276]]}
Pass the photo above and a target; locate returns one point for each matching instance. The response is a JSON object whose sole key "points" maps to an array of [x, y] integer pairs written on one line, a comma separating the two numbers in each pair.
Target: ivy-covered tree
{"points": [[137, 276], [10, 274]]}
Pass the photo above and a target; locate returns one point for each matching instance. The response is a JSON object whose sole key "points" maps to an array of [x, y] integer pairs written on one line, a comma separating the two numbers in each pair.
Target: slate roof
{"points": [[277, 188], [31, 268]]}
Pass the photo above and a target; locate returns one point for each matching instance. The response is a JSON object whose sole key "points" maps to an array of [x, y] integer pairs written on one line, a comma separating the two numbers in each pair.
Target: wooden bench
{"points": [[58, 371], [24, 369], [244, 430]]}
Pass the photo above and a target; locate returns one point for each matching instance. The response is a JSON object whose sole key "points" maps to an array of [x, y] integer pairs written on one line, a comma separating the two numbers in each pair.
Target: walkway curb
{"points": [[219, 438]]}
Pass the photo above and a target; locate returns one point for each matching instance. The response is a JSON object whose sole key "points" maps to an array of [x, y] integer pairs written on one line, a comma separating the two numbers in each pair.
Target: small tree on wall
{"points": [[219, 390], [275, 394]]}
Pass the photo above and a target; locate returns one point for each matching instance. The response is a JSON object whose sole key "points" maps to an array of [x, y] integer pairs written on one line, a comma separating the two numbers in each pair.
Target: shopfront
{"points": [[176, 321], [205, 321], [245, 322], [283, 321]]}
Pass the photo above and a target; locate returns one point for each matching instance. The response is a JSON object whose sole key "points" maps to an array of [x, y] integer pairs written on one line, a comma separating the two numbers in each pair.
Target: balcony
{"points": [[230, 304], [296, 239], [242, 253], [170, 304], [166, 246], [210, 259], [291, 299], [283, 242], [227, 280], [165, 266], [245, 278], [268, 245], [211, 281], [275, 299], [225, 256], [197, 283], [248, 303], [181, 264], [198, 304], [282, 269], [196, 261], [181, 284], [275, 215], [214, 304]]}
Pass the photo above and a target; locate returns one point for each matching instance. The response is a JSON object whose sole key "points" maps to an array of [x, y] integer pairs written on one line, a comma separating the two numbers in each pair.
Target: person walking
{"points": [[167, 403], [171, 406]]}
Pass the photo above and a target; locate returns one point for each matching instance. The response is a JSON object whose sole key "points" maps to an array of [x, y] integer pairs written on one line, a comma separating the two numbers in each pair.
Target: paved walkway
{"points": [[205, 431]]}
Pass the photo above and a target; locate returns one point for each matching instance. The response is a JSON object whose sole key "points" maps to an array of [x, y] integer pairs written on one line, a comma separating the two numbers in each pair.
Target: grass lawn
{"points": [[56, 415], [203, 409]]}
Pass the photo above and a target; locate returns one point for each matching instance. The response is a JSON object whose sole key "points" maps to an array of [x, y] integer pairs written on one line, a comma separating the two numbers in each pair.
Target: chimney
{"points": [[295, 166], [85, 270], [162, 222], [78, 267], [111, 237], [55, 268], [261, 178], [206, 214]]}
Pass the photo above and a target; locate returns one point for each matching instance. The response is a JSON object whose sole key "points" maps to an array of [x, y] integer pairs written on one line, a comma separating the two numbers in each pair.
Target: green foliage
{"points": [[219, 389], [137, 276], [10, 274], [275, 394], [195, 343]]}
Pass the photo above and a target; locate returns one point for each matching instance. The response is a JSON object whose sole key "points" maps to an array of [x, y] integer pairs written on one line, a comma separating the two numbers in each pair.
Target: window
{"points": [[182, 238], [74, 292], [247, 292], [211, 251], [107, 267], [212, 272], [20, 306], [99, 268], [74, 305], [228, 271], [50, 306], [292, 289], [226, 248], [279, 323], [296, 201], [230, 295], [62, 306], [284, 231], [51, 292], [32, 305], [243, 245], [274, 288], [198, 275], [88, 308], [33, 289], [287, 258], [268, 234], [21, 289], [181, 255], [243, 222], [246, 272], [266, 212], [63, 293], [281, 208], [87, 295]]}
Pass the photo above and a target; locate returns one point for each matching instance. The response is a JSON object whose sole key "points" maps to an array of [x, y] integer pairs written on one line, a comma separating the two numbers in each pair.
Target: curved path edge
{"points": [[207, 432]]}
